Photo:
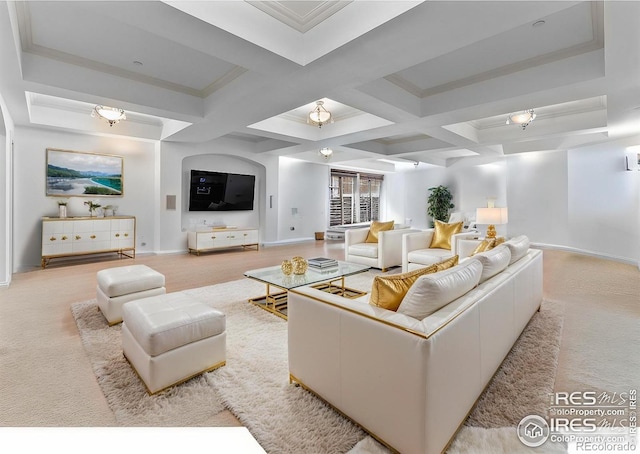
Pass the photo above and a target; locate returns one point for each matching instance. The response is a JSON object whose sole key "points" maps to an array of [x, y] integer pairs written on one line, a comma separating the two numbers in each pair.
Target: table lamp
{"points": [[491, 216]]}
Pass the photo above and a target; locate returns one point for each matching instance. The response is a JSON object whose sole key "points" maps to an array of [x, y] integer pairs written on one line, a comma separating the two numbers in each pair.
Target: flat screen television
{"points": [[218, 191]]}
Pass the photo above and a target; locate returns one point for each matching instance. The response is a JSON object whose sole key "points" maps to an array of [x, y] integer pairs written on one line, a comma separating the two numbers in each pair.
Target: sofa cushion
{"points": [[364, 250], [430, 292], [442, 234], [376, 227], [518, 247], [488, 244], [493, 261], [428, 256], [388, 291]]}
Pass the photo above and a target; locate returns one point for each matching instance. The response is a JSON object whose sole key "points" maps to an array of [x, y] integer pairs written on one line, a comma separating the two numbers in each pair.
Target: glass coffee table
{"points": [[331, 280]]}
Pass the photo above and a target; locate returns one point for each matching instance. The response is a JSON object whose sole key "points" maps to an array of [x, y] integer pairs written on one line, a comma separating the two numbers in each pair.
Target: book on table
{"points": [[322, 262]]}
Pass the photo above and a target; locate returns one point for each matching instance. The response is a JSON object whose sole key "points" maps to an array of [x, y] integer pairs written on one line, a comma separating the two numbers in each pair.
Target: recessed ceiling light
{"points": [[538, 23], [137, 63]]}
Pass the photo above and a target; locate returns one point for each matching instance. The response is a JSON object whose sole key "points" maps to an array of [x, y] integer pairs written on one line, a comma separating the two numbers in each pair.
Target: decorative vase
{"points": [[62, 211], [299, 265], [287, 267]]}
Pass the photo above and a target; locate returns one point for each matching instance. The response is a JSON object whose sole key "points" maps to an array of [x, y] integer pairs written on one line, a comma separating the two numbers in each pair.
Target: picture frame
{"points": [[82, 174]]}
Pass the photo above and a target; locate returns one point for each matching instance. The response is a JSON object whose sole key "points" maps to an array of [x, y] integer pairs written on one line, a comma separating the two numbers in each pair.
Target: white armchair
{"points": [[384, 254], [416, 252]]}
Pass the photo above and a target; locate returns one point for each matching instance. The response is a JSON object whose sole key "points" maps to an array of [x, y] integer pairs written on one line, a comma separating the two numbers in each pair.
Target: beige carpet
{"points": [[284, 418]]}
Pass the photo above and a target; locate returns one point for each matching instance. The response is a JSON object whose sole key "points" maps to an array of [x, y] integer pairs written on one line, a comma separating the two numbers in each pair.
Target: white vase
{"points": [[62, 211]]}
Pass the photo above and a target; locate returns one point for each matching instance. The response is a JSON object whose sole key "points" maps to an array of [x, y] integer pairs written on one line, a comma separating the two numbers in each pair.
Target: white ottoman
{"points": [[171, 338], [117, 286]]}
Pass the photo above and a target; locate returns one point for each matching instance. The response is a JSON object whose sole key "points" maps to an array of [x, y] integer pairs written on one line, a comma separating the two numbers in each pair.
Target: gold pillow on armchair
{"points": [[377, 226], [443, 233]]}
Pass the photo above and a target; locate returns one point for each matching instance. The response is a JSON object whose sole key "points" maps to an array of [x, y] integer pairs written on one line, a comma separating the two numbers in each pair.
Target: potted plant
{"points": [[439, 203], [93, 206]]}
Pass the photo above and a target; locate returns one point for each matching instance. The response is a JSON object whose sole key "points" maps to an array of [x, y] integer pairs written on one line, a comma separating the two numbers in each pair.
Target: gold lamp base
{"points": [[491, 231]]}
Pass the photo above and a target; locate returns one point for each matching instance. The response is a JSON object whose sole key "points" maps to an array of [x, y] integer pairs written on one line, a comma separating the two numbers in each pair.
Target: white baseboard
{"points": [[599, 255], [291, 241]]}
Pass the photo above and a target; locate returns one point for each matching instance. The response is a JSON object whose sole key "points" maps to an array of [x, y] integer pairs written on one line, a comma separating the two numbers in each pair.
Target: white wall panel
{"points": [[31, 203], [538, 191]]}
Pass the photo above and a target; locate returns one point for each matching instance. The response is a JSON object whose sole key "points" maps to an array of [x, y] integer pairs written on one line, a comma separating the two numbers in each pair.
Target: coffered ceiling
{"points": [[406, 81]]}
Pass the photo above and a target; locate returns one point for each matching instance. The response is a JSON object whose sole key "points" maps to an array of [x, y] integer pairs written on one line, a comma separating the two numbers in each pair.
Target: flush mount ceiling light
{"points": [[523, 118], [111, 114], [319, 116], [326, 152]]}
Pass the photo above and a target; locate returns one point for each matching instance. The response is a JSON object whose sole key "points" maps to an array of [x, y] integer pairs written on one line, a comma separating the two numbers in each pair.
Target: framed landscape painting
{"points": [[76, 173]]}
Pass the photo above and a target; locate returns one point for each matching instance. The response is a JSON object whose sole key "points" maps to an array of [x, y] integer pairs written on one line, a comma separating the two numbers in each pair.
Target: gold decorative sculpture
{"points": [[287, 267], [299, 265]]}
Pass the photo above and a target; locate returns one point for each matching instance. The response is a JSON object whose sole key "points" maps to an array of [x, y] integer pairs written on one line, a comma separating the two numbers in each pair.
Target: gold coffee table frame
{"points": [[331, 281]]}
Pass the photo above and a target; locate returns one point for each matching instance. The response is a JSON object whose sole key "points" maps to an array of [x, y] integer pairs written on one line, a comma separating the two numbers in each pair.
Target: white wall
{"points": [[538, 197], [470, 185], [6, 218], [581, 200], [303, 200], [406, 194], [140, 197], [222, 155], [603, 201]]}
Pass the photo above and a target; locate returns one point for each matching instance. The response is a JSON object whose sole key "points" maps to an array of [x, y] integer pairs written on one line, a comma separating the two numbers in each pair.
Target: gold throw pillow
{"points": [[442, 234], [388, 291], [487, 245], [377, 226]]}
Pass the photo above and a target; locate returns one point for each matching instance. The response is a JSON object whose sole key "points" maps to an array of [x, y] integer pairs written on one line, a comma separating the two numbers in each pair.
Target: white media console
{"points": [[220, 238]]}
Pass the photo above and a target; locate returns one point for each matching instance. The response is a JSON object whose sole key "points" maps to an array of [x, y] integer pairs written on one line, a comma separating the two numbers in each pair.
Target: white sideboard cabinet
{"points": [[64, 237], [208, 240]]}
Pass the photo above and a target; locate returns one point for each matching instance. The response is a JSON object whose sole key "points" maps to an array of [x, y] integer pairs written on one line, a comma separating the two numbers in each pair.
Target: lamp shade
{"points": [[492, 215]]}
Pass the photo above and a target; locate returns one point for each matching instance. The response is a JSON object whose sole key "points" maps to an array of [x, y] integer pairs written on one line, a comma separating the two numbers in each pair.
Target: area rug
{"points": [[284, 418]]}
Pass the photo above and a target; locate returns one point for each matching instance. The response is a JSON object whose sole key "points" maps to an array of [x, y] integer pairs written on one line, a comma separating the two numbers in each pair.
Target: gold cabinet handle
{"points": [[93, 237], [53, 238], [117, 235], [246, 234], [126, 234], [213, 237], [64, 238], [231, 236], [78, 237]]}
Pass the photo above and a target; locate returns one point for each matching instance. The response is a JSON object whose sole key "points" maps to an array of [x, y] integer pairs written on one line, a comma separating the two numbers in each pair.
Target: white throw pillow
{"points": [[518, 247], [433, 291], [493, 261]]}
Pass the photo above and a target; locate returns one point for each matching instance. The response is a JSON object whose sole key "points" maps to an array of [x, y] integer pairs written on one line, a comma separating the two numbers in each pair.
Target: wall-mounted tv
{"points": [[218, 191]]}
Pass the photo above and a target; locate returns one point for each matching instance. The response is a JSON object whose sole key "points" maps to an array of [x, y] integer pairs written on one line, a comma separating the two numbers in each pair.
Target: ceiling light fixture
{"points": [[319, 116], [522, 119], [111, 114], [326, 153]]}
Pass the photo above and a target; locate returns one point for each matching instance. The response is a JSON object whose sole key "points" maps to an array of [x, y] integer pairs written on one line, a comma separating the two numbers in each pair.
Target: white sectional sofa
{"points": [[411, 383]]}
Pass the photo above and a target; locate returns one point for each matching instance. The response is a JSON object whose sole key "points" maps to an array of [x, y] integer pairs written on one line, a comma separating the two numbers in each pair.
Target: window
{"points": [[355, 197]]}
